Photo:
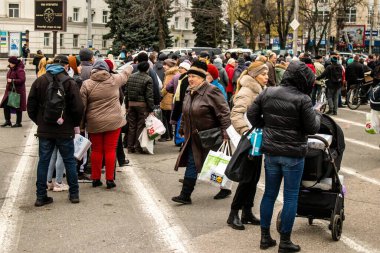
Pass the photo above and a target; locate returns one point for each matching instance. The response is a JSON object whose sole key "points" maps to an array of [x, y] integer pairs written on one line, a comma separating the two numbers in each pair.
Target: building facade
{"points": [[180, 24]]}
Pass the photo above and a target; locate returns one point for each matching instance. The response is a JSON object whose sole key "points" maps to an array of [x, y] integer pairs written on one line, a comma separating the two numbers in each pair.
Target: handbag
{"points": [[239, 159], [14, 98], [210, 138]]}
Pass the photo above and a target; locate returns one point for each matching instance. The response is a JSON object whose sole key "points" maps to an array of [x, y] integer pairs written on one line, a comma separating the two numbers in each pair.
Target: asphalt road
{"points": [[139, 216]]}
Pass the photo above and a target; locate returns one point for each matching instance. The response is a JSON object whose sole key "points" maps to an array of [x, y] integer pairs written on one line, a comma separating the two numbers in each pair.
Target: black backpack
{"points": [[336, 76], [55, 103]]}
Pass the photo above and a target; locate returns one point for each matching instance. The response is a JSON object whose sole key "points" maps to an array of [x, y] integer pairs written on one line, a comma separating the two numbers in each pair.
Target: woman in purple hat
{"points": [[16, 78]]}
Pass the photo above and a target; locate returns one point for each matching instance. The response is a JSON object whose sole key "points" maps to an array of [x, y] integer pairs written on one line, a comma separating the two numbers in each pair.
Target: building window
{"points": [[14, 10], [105, 17], [187, 23], [76, 40], [323, 16], [46, 39], [76, 14], [188, 3], [176, 20], [351, 15], [186, 43], [61, 40], [104, 43]]}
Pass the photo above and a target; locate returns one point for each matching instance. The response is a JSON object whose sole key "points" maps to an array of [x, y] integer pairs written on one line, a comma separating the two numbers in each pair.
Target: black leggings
{"points": [[7, 113]]}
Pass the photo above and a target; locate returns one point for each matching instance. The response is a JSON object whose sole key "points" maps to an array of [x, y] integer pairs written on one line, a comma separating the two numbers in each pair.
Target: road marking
{"points": [[168, 225], [349, 110], [353, 172], [346, 240], [350, 122], [9, 213], [361, 143]]}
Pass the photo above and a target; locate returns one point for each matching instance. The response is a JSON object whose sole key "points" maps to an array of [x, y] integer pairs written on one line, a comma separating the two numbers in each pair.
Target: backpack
{"points": [[55, 103], [336, 75]]}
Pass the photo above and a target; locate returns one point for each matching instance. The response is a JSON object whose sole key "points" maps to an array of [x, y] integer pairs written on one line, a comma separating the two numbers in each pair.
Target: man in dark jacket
{"points": [[354, 71], [37, 58], [238, 70], [159, 66], [139, 102], [334, 75], [271, 63], [58, 134], [287, 117]]}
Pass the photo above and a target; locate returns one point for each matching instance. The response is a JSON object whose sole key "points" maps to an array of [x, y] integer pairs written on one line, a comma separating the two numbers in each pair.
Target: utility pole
{"points": [[370, 35], [295, 33], [89, 25]]}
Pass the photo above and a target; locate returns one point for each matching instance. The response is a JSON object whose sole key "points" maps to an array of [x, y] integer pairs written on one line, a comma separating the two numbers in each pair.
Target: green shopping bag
{"points": [[13, 98]]}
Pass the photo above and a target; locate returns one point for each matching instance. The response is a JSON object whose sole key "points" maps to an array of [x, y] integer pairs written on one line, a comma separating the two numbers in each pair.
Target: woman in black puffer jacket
{"points": [[287, 117]]}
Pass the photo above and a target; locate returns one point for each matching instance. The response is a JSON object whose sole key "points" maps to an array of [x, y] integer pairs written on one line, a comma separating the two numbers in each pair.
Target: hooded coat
{"points": [[17, 74], [223, 77], [167, 97], [286, 113]]}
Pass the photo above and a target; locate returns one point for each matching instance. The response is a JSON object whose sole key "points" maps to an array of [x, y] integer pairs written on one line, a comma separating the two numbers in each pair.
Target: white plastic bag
{"points": [[145, 143], [81, 145], [234, 137], [372, 122], [215, 165], [154, 127]]}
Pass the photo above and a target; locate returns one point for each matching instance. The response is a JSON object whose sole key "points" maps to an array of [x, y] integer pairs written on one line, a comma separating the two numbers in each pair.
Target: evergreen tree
{"points": [[207, 24], [139, 24]]}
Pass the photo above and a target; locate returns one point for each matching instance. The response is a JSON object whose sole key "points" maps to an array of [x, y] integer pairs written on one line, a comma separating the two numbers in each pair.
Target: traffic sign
{"points": [[294, 24]]}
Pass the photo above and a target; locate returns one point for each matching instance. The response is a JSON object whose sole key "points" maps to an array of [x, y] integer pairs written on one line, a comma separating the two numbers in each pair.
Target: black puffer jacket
{"points": [[286, 113]]}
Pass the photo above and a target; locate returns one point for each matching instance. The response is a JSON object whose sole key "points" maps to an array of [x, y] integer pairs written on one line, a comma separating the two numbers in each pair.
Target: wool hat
{"points": [[218, 60], [198, 68], [213, 71], [170, 62], [162, 57], [204, 54], [101, 65], [185, 65], [13, 60], [86, 54], [257, 68], [61, 59], [109, 63], [231, 60]]}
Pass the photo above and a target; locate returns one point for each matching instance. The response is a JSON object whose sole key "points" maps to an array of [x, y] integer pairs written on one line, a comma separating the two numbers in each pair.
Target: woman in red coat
{"points": [[16, 77], [230, 68]]}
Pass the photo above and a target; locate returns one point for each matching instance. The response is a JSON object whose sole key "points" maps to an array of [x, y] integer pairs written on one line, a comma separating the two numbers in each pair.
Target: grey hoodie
{"points": [[223, 77]]}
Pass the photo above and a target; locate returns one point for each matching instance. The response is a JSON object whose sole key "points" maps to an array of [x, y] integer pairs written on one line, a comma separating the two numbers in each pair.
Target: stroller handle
{"points": [[319, 138]]}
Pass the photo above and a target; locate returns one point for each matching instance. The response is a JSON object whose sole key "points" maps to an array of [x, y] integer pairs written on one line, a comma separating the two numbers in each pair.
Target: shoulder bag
{"points": [[13, 97]]}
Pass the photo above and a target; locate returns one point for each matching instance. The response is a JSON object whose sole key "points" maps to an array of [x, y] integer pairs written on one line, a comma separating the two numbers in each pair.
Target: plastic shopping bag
{"points": [[234, 137], [81, 145], [215, 165], [145, 143], [372, 122], [256, 138], [154, 127]]}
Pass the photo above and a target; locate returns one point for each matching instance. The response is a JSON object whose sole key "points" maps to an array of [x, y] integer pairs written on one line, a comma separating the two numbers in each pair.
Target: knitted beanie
{"points": [[86, 54], [213, 71]]}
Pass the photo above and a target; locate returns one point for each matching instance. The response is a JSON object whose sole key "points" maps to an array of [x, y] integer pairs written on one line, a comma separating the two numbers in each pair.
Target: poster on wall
{"points": [[3, 41], [353, 35], [14, 43]]}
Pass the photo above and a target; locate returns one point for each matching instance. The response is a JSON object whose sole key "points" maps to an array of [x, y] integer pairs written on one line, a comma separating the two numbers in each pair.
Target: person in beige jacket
{"points": [[166, 104], [250, 84], [103, 118]]}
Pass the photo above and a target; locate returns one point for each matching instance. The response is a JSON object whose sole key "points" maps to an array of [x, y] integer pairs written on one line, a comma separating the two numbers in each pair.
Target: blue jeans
{"points": [[56, 163], [276, 168], [191, 170], [66, 149]]}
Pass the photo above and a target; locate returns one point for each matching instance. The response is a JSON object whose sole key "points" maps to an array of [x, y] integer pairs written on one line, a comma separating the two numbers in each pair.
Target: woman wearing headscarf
{"points": [[204, 107], [16, 79], [250, 84], [287, 117], [103, 117]]}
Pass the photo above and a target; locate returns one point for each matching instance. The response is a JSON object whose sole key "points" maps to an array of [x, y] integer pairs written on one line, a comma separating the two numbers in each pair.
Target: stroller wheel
{"points": [[278, 221], [337, 228], [310, 221]]}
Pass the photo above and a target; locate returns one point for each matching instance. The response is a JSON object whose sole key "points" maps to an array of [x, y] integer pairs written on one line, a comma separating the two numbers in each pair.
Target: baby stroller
{"points": [[321, 193]]}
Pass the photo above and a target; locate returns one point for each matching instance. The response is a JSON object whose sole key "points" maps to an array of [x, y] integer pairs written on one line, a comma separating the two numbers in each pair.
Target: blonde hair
{"points": [[42, 66], [252, 66]]}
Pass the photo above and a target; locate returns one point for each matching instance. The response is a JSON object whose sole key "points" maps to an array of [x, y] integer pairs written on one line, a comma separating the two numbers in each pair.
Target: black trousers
{"points": [[166, 121], [246, 190], [136, 124], [120, 155], [7, 113]]}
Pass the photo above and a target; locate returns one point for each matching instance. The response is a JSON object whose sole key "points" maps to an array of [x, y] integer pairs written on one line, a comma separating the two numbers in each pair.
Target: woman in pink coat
{"points": [[16, 77]]}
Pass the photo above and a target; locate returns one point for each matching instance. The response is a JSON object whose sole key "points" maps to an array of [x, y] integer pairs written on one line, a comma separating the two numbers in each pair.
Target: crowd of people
{"points": [[78, 94]]}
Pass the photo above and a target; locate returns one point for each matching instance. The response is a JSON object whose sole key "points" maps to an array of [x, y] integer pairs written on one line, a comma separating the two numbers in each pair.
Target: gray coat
{"points": [[223, 77]]}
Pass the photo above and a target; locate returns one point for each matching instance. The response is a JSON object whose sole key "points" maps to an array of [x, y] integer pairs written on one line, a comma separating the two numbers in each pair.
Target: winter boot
{"points": [[6, 123], [248, 217], [286, 244], [222, 194], [187, 189], [266, 240], [234, 220]]}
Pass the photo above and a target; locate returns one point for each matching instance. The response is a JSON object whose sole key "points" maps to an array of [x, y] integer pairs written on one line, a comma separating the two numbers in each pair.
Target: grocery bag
{"points": [[146, 143], [256, 139], [81, 145], [234, 137], [372, 122], [214, 166], [154, 127]]}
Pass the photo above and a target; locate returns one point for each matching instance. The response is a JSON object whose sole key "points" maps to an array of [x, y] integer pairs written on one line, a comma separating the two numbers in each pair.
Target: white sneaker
{"points": [[60, 187], [50, 186]]}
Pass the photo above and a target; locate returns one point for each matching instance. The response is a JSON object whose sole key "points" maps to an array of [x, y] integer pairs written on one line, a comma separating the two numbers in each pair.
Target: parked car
{"points": [[176, 50], [240, 50]]}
